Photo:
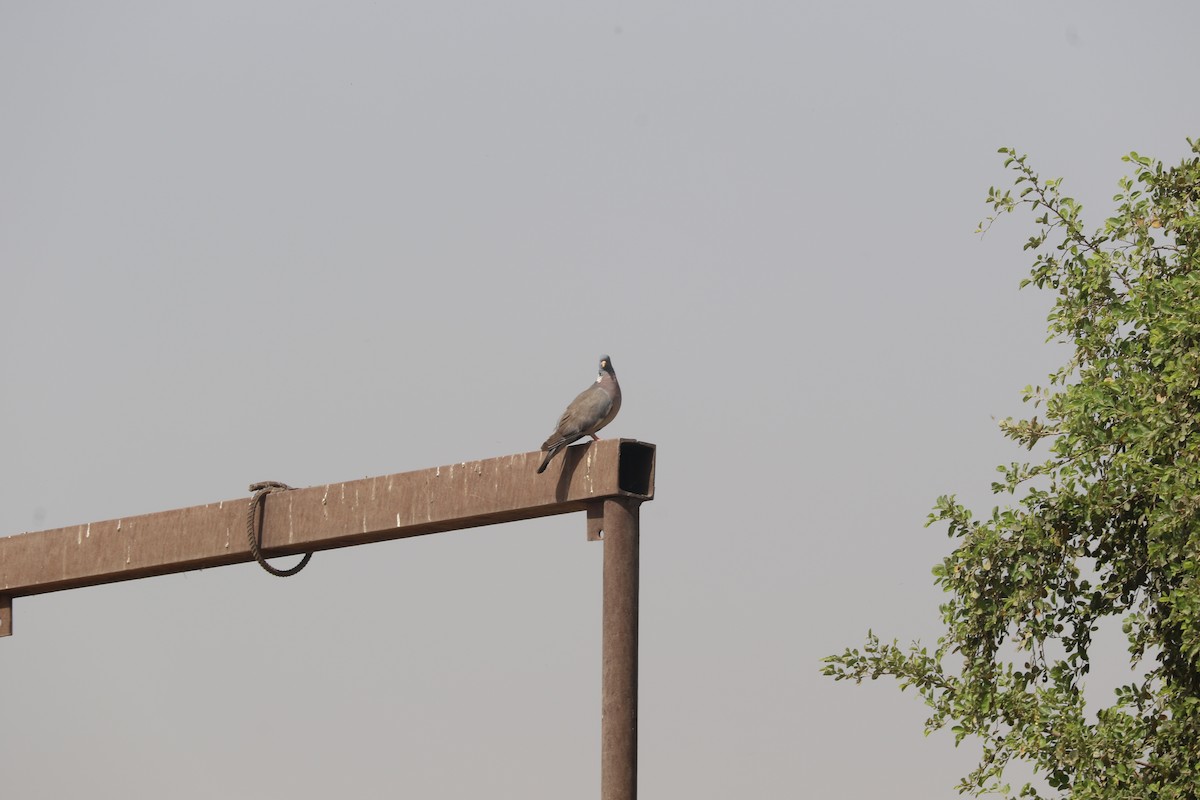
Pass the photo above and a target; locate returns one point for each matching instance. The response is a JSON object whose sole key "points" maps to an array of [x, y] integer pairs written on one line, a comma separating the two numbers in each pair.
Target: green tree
{"points": [[1108, 525]]}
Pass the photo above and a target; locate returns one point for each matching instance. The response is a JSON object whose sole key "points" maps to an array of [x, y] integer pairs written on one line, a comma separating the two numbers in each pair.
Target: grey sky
{"points": [[313, 242]]}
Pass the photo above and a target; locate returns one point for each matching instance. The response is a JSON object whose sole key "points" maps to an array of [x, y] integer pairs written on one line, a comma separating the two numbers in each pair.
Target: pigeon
{"points": [[594, 408]]}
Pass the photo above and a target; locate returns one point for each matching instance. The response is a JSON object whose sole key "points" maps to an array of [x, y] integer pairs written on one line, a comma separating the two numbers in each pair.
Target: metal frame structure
{"points": [[609, 479]]}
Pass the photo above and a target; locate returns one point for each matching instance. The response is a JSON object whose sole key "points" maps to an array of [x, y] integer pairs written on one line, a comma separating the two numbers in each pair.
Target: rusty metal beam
{"points": [[619, 651], [356, 512], [608, 479]]}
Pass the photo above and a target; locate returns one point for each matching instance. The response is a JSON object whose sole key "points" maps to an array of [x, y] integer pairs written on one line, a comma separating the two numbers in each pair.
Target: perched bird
{"points": [[594, 408]]}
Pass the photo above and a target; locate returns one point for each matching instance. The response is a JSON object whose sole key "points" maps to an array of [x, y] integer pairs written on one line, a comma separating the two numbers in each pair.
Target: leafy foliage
{"points": [[1107, 526]]}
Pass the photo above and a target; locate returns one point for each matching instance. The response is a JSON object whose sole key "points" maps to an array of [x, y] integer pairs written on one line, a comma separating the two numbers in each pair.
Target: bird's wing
{"points": [[582, 417]]}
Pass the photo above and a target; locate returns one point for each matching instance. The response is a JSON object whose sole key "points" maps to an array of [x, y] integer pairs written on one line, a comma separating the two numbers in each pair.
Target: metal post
{"points": [[619, 670]]}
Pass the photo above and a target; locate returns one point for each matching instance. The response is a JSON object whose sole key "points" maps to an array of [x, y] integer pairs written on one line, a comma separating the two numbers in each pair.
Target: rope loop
{"points": [[254, 533]]}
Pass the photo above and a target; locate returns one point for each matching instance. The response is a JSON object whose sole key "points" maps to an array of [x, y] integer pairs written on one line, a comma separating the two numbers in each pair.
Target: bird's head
{"points": [[606, 365]]}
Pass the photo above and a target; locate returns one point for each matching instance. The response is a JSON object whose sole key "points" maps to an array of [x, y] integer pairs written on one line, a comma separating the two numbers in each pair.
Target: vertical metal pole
{"points": [[619, 671]]}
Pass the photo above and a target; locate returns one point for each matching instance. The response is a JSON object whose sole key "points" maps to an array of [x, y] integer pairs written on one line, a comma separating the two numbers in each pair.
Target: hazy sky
{"points": [[311, 242]]}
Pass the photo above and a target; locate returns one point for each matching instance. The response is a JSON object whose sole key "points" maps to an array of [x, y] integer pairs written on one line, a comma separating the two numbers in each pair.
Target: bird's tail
{"points": [[546, 461]]}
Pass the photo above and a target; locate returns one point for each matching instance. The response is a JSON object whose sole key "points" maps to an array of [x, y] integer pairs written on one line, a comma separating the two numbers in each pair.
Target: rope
{"points": [[253, 536]]}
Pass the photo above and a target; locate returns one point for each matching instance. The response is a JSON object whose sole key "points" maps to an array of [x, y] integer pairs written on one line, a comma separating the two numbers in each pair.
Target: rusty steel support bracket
{"points": [[595, 521]]}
